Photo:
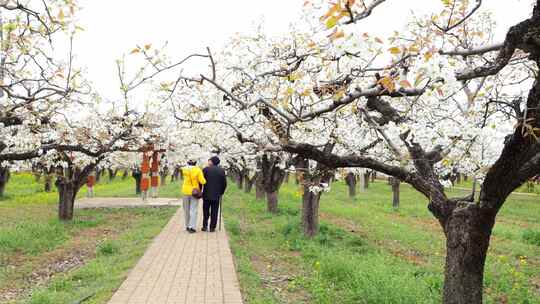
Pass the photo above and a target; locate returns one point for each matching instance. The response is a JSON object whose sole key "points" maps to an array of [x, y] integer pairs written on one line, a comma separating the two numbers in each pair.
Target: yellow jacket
{"points": [[193, 178]]}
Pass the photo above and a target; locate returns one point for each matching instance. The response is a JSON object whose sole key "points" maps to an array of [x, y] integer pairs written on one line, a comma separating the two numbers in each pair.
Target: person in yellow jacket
{"points": [[193, 179]]}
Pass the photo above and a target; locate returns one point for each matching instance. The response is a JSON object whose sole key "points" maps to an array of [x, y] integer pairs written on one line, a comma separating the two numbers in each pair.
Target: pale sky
{"points": [[114, 27]]}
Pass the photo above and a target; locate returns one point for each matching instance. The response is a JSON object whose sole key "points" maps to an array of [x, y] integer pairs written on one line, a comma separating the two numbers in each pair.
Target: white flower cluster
{"points": [[322, 187]]}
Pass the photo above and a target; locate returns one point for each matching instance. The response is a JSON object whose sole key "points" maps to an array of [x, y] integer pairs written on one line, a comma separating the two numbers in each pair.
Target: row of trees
{"points": [[435, 97], [50, 116]]}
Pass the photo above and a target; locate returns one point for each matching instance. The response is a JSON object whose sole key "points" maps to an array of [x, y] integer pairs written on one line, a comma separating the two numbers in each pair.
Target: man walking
{"points": [[191, 188], [215, 186]]}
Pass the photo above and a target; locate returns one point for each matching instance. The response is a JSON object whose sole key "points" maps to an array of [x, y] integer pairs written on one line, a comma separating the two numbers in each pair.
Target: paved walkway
{"points": [[178, 267]]}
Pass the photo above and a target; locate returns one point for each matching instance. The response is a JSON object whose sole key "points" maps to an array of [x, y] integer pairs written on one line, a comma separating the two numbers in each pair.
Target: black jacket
{"points": [[216, 183]]}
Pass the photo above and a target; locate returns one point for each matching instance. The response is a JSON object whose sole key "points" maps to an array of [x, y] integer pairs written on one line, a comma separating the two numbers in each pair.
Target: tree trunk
{"points": [[138, 185], [259, 192], [465, 178], [99, 173], [48, 183], [66, 199], [272, 178], [272, 201], [125, 174], [4, 178], [174, 175], [137, 175], [366, 181], [468, 233], [352, 189], [310, 212], [240, 181], [248, 184], [362, 182], [395, 192], [163, 175], [373, 176], [350, 179], [112, 174], [163, 178], [259, 186], [458, 178], [287, 175]]}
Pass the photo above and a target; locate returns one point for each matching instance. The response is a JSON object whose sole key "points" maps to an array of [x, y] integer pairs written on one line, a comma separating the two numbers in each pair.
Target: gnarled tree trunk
{"points": [[259, 192], [47, 183], [350, 180], [68, 183], [272, 176], [259, 187], [272, 202], [468, 233], [4, 178], [311, 180], [67, 191], [310, 212]]}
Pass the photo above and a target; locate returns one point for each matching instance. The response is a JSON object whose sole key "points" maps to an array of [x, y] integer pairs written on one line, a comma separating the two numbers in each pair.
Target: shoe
{"points": [[191, 230], [204, 229], [213, 230], [187, 228]]}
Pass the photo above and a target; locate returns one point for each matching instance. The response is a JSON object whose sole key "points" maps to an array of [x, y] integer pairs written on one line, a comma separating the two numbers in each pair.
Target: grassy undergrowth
{"points": [[367, 252], [100, 276], [99, 245]]}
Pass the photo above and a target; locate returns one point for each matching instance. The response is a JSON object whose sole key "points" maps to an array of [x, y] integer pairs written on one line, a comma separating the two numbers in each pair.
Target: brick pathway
{"points": [[118, 202], [179, 267]]}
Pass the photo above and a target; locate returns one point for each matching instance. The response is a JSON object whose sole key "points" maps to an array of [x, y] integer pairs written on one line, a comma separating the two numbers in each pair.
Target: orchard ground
{"points": [[366, 251]]}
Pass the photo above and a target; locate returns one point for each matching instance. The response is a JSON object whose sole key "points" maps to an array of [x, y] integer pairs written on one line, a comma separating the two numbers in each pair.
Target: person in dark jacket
{"points": [[215, 186]]}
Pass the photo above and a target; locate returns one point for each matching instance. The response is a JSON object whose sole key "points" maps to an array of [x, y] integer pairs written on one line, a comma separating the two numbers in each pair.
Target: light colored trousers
{"points": [[191, 206]]}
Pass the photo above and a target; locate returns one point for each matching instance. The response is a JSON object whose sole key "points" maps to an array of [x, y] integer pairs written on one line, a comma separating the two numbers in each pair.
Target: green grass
{"points": [[126, 188], [532, 236], [111, 240], [522, 189], [29, 223], [367, 252], [102, 275]]}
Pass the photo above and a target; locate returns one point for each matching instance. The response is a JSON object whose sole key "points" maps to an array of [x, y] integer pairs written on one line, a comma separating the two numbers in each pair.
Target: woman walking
{"points": [[191, 188]]}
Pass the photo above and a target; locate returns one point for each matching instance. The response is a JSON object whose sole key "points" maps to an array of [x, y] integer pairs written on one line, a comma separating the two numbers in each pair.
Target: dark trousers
{"points": [[210, 210]]}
